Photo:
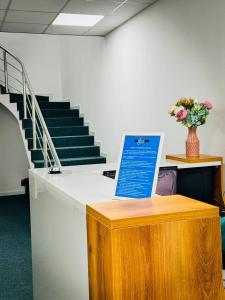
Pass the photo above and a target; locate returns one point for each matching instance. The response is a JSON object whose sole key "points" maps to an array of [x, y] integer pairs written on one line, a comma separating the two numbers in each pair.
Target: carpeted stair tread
{"points": [[56, 122], [55, 113], [61, 113], [2, 89], [69, 152], [62, 131], [70, 136], [19, 98], [69, 141], [75, 161], [48, 105]]}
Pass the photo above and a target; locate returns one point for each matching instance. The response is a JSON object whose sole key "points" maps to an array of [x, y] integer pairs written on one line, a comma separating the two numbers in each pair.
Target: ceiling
{"points": [[36, 16]]}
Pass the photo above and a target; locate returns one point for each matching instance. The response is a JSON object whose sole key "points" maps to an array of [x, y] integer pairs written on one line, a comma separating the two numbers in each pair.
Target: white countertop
{"points": [[86, 184]]}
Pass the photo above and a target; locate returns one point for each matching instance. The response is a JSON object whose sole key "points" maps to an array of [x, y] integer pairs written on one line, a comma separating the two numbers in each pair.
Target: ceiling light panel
{"points": [[77, 20]]}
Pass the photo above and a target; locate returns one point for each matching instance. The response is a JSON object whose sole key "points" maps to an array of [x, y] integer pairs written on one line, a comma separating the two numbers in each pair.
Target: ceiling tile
{"points": [[2, 14], [98, 7], [112, 21], [118, 1], [142, 1], [4, 4], [100, 31], [30, 17], [130, 9], [22, 27], [38, 5], [57, 29]]}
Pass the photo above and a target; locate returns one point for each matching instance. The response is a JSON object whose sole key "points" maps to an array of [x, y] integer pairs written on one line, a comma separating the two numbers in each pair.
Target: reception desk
{"points": [[159, 248], [85, 245]]}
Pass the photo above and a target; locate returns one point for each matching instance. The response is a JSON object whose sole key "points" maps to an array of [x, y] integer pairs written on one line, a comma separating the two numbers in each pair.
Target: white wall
{"points": [[81, 65], [127, 81], [13, 160], [41, 57], [174, 48], [54, 63]]}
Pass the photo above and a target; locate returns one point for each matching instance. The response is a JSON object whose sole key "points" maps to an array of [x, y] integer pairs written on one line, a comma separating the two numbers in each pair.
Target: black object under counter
{"points": [[197, 183]]}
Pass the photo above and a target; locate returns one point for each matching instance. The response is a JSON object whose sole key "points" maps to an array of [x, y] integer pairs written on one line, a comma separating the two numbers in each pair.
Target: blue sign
{"points": [[139, 166]]}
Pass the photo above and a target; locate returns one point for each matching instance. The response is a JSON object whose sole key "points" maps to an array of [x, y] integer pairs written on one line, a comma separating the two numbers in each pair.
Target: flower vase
{"points": [[192, 143]]}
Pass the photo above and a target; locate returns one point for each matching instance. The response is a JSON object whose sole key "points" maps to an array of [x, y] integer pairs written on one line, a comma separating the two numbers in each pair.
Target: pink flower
{"points": [[182, 114], [208, 104]]}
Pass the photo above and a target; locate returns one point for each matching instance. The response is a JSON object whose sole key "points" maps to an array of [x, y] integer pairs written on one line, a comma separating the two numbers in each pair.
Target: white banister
{"points": [[24, 96], [45, 150], [6, 71], [34, 126]]}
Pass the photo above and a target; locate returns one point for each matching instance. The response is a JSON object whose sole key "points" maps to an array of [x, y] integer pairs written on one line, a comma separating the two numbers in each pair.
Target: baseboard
{"points": [[12, 193]]}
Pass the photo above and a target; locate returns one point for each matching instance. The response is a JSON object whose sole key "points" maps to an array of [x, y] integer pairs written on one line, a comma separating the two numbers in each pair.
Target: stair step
{"points": [[73, 144], [69, 152], [53, 113], [71, 138], [19, 98], [60, 113], [2, 89], [62, 131], [67, 141], [57, 122], [74, 161], [47, 105]]}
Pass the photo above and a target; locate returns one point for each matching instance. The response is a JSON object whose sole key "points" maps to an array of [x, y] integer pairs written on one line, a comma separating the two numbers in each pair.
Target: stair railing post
{"points": [[34, 124], [6, 71], [45, 150], [24, 97]]}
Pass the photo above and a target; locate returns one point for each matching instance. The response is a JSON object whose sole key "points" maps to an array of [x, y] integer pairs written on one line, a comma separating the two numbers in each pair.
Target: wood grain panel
{"points": [[172, 259], [219, 187], [169, 261], [200, 159], [99, 260], [117, 214]]}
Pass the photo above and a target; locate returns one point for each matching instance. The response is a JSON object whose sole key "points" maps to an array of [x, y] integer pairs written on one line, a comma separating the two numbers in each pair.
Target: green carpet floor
{"points": [[15, 249]]}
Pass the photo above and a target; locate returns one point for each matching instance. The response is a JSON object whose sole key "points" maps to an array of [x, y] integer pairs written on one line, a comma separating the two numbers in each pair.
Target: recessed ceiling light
{"points": [[77, 20]]}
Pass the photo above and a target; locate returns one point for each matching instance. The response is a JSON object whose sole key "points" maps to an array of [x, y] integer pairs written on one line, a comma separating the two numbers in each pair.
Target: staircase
{"points": [[73, 143]]}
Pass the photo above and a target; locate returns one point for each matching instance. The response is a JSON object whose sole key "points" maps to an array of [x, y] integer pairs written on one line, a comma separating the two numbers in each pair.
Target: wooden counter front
{"points": [[166, 248]]}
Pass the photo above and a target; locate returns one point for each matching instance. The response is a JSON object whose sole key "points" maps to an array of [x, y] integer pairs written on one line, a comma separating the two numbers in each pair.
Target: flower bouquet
{"points": [[191, 113]]}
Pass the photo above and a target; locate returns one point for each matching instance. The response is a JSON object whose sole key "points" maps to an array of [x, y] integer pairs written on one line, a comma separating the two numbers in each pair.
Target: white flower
{"points": [[171, 109], [196, 101]]}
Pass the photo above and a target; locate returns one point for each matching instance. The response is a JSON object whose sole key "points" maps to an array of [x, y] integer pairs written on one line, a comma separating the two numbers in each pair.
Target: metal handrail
{"points": [[10, 86], [11, 65], [34, 112]]}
